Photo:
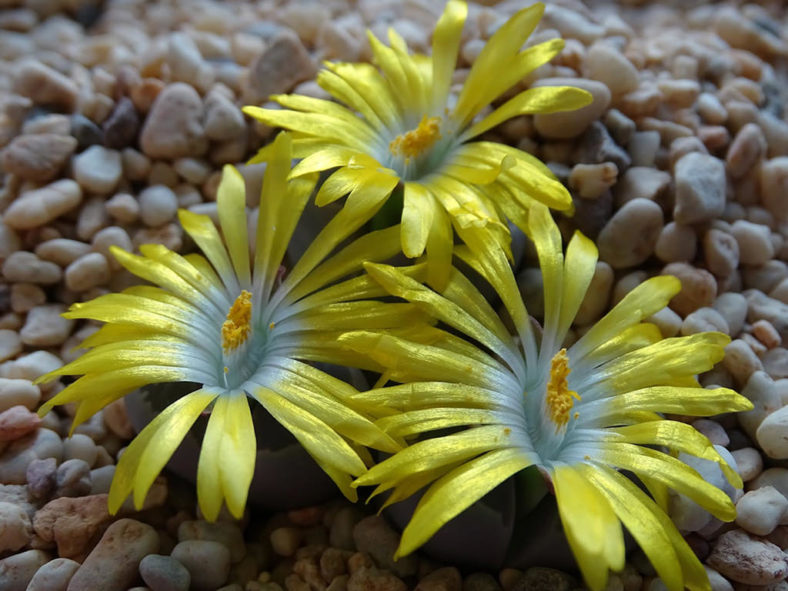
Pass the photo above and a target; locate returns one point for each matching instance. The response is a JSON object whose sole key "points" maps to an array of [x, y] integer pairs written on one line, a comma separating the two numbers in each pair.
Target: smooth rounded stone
{"points": [[774, 186], [29, 367], [192, 170], [161, 173], [764, 331], [704, 320], [747, 148], [603, 62], [111, 236], [711, 109], [117, 420], [762, 307], [641, 182], [713, 430], [643, 148], [17, 422], [698, 287], [591, 180], [375, 536], [9, 241], [700, 188], [17, 570], [98, 170], [41, 476], [26, 296], [680, 94], [38, 157], [72, 479], [744, 559], [749, 462], [208, 563], [41, 206], [282, 65], [54, 575], [14, 392], [25, 267], [446, 578], [164, 573], [92, 217], [597, 297], [170, 235], [676, 243], [101, 479], [717, 581], [45, 85], [620, 126], [88, 271], [61, 251], [285, 540], [571, 124], [629, 237], [46, 327], [158, 205], [759, 511], [227, 534], [775, 363], [123, 207], [136, 165], [741, 361], [16, 530], [223, 119], [772, 434], [760, 390], [80, 447], [40, 444], [122, 125], [173, 128], [10, 345], [733, 307], [114, 562], [721, 252], [755, 245], [184, 59], [667, 321], [572, 24]]}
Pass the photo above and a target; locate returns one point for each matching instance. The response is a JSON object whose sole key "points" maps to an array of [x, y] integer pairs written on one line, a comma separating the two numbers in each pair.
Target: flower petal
{"points": [[231, 206]]}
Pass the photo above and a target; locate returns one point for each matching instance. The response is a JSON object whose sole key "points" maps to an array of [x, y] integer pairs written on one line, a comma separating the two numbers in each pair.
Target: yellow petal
{"points": [[231, 206], [418, 211], [440, 246], [238, 451], [445, 45], [147, 454]]}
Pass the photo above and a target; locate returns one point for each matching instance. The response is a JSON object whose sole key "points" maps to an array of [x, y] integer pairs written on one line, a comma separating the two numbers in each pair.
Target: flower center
{"points": [[237, 326], [560, 399], [417, 141]]}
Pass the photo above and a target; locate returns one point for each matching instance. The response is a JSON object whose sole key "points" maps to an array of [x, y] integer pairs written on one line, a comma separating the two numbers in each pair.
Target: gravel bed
{"points": [[114, 114]]}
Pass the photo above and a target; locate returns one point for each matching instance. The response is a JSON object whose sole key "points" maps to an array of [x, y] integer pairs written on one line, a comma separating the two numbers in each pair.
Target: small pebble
{"points": [[282, 65], [158, 205], [721, 252], [17, 570], [40, 206], [38, 157], [760, 511], [676, 243], [173, 128], [88, 271], [45, 85], [700, 188], [749, 462], [570, 124], [698, 287], [72, 479], [755, 246], [46, 327], [208, 563], [164, 573], [54, 575], [98, 170], [630, 236], [749, 560]]}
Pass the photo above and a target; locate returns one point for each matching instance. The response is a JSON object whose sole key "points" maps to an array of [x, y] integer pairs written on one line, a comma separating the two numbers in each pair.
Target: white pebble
{"points": [[704, 320], [772, 434], [38, 207], [123, 207], [749, 462], [98, 169], [10, 344], [62, 251], [25, 267], [80, 447], [605, 63], [111, 236], [676, 243], [46, 327], [700, 188], [755, 245], [759, 511], [733, 307], [14, 392], [158, 205]]}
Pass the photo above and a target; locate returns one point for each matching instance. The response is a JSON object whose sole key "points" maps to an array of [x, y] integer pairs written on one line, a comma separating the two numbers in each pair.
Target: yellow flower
{"points": [[401, 123], [227, 321], [578, 413]]}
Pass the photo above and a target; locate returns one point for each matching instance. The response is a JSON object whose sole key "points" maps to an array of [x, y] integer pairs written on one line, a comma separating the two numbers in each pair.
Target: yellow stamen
{"points": [[237, 327], [559, 397], [417, 141]]}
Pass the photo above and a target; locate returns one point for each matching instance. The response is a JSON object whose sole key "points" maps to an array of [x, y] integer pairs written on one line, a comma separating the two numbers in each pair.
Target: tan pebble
{"points": [[40, 206], [745, 559], [173, 128], [747, 148], [282, 65], [698, 287], [591, 180], [62, 251], [764, 331], [714, 137], [98, 170], [741, 361], [108, 237], [87, 272], [682, 146], [376, 537], [16, 422], [169, 235], [676, 243], [372, 578], [26, 267], [598, 294], [285, 540], [605, 63], [136, 165], [679, 93], [775, 362], [38, 157], [774, 186], [776, 132], [508, 577], [630, 236], [92, 217], [755, 247], [669, 131], [45, 85], [572, 123], [643, 148], [45, 326], [711, 109], [26, 296], [700, 188]]}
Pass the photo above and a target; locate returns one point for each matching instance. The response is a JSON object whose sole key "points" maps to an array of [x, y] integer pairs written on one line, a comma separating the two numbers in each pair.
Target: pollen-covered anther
{"points": [[238, 325], [560, 399], [417, 141]]}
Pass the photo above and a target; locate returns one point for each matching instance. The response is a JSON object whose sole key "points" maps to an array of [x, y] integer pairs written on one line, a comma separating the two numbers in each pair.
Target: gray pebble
{"points": [[164, 573], [208, 563], [700, 188], [54, 575], [17, 570]]}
